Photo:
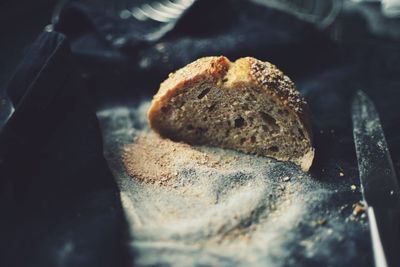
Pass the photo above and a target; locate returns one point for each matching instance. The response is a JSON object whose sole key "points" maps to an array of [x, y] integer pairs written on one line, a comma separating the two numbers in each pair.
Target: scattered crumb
{"points": [[322, 221], [286, 179], [341, 174], [358, 208], [353, 187]]}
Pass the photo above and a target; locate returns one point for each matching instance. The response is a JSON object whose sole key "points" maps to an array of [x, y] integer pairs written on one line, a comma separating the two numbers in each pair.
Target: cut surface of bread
{"points": [[246, 105]]}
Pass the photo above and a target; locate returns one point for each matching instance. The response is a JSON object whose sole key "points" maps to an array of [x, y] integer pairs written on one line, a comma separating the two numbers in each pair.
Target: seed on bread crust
{"points": [[271, 77]]}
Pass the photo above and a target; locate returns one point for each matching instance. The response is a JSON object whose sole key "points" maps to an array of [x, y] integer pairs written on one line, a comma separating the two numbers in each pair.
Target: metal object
{"points": [[320, 13], [165, 13], [378, 181], [391, 8], [153, 19]]}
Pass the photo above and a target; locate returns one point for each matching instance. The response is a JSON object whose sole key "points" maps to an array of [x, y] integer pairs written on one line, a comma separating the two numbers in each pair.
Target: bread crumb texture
{"points": [[247, 105]]}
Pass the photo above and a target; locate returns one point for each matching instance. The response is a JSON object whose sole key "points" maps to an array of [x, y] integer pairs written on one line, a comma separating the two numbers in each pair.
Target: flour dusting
{"points": [[202, 206]]}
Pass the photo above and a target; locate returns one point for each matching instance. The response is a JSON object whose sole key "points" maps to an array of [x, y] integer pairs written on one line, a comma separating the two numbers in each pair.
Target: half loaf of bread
{"points": [[246, 105]]}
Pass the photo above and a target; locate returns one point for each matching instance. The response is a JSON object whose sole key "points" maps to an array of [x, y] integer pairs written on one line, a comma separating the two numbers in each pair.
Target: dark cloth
{"points": [[60, 205], [59, 198]]}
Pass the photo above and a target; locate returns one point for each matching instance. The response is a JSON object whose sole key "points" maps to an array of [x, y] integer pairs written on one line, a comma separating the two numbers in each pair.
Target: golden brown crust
{"points": [[214, 67], [230, 75]]}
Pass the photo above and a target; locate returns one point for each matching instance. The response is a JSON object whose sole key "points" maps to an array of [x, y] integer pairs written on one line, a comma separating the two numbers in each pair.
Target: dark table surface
{"points": [[22, 21]]}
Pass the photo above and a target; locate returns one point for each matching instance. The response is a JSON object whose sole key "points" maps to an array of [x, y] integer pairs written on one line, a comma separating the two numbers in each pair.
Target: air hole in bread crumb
{"points": [[239, 122], [190, 127], [200, 130], [265, 128], [301, 132], [164, 109], [273, 149], [203, 93], [211, 108], [283, 112], [253, 139], [269, 120], [242, 140]]}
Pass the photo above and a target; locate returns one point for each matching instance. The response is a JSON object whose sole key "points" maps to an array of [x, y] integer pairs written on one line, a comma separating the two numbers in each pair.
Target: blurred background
{"points": [[343, 20]]}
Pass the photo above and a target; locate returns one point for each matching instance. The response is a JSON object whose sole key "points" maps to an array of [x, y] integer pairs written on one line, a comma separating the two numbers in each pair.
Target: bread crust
{"points": [[203, 68], [245, 70]]}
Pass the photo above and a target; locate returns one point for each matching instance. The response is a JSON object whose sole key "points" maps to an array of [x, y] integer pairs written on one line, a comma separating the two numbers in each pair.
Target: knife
{"points": [[379, 184]]}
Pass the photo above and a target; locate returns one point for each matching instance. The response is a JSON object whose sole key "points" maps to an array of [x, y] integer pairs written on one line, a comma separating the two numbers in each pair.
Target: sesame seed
{"points": [[274, 80]]}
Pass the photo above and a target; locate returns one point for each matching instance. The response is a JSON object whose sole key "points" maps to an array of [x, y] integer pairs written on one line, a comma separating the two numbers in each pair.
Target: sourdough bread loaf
{"points": [[246, 105]]}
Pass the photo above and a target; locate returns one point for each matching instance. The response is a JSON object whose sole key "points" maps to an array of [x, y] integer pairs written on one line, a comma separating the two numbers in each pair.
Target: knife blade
{"points": [[379, 184], [6, 109]]}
